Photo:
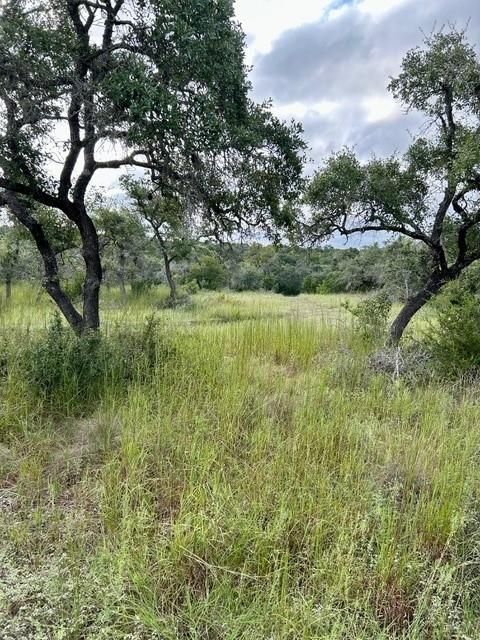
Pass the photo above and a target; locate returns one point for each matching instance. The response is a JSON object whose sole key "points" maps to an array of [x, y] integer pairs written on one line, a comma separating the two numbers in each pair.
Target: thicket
{"points": [[67, 375], [400, 268]]}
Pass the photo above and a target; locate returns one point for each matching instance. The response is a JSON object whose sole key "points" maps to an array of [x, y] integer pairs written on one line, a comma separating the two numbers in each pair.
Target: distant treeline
{"points": [[400, 267]]}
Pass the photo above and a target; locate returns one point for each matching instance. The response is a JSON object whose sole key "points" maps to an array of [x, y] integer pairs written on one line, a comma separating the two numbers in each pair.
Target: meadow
{"points": [[254, 478]]}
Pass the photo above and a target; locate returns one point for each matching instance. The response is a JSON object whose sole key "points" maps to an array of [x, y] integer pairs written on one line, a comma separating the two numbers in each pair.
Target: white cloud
{"points": [[264, 20], [332, 72], [377, 8], [380, 108], [299, 110]]}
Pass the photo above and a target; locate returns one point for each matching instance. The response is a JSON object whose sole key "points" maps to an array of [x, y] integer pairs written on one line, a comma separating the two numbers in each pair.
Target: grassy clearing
{"points": [[31, 309], [261, 483]]}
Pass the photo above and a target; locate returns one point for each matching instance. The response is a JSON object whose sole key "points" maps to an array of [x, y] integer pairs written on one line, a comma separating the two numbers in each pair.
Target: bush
{"points": [[209, 273], [311, 283], [191, 287], [71, 373], [288, 282], [247, 279], [371, 315], [453, 339]]}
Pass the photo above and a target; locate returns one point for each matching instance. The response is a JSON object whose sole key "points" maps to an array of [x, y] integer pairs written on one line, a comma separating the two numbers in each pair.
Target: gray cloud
{"points": [[349, 126], [349, 58]]}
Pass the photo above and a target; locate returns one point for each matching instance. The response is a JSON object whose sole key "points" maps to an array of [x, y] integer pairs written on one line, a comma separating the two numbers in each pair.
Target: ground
{"points": [[263, 482]]}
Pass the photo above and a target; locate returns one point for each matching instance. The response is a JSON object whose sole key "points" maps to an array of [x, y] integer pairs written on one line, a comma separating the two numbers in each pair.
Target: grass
{"points": [[262, 483]]}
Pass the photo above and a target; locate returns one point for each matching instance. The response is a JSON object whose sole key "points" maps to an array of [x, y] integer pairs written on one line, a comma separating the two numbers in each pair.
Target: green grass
{"points": [[263, 483]]}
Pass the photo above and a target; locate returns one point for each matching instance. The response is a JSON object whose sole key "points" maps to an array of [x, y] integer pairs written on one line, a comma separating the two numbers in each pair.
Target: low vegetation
{"points": [[203, 437], [240, 470]]}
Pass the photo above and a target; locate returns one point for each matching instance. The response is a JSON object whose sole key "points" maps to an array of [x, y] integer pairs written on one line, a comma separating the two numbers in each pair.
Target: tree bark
{"points": [[93, 272], [170, 279], [414, 304], [8, 287], [121, 276], [51, 280], [167, 262]]}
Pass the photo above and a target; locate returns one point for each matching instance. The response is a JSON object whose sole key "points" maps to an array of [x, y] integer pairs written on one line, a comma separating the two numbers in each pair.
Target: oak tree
{"points": [[93, 85], [431, 194]]}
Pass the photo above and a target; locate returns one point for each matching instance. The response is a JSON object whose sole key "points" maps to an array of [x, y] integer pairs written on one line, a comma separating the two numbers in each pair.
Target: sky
{"points": [[327, 63]]}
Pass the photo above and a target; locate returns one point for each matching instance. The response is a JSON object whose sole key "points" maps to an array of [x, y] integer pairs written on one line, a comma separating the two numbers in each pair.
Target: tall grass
{"points": [[260, 482]]}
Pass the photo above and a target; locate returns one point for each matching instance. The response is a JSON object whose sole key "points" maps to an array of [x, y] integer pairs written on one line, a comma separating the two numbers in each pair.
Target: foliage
{"points": [[68, 372], [157, 514], [403, 268], [63, 368], [247, 278], [208, 273], [288, 282], [169, 220], [9, 258], [453, 337], [400, 267], [73, 286], [159, 86], [395, 194], [124, 243], [371, 315], [311, 284], [284, 272]]}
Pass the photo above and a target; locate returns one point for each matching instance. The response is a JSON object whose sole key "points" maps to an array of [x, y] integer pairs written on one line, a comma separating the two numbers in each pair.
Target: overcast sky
{"points": [[327, 63]]}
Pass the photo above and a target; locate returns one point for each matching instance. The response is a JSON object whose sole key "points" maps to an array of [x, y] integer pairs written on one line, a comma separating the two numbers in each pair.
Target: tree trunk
{"points": [[121, 276], [93, 273], [8, 287], [414, 304], [51, 280], [170, 278]]}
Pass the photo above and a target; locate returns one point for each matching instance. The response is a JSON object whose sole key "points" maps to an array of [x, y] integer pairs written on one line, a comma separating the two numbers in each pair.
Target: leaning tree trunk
{"points": [[51, 278], [170, 278], [413, 305]]}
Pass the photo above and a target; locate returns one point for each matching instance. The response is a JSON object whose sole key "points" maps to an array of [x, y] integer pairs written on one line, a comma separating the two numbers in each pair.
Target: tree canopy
{"points": [[432, 193], [159, 85]]}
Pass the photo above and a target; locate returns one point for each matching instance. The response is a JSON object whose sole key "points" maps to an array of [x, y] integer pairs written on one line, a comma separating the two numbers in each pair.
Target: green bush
{"points": [[71, 373], [371, 315], [248, 278], [191, 287], [288, 282], [453, 338], [311, 283], [209, 273]]}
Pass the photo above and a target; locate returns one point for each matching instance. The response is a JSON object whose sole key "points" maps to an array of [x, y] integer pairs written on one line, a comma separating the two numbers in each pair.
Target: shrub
{"points": [[311, 283], [209, 273], [453, 338], [71, 373], [63, 366], [288, 282], [371, 315], [248, 278], [191, 287]]}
